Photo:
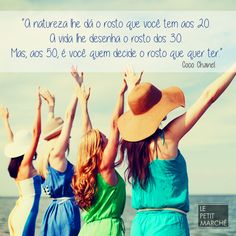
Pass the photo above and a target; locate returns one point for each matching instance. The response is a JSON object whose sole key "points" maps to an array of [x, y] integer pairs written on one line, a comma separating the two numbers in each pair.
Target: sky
{"points": [[209, 148]]}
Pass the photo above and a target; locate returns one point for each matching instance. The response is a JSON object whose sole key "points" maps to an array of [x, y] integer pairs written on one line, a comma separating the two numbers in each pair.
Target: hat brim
{"points": [[53, 133], [134, 128], [13, 150]]}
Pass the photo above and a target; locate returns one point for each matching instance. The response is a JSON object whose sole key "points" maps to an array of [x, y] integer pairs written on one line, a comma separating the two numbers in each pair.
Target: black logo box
{"points": [[211, 213]]}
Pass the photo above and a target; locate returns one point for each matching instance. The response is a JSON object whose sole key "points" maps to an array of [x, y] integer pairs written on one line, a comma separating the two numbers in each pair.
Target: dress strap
{"points": [[160, 133], [162, 136]]}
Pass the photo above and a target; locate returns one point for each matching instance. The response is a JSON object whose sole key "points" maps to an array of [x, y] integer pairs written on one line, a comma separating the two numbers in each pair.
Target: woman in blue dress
{"points": [[156, 167], [21, 150], [62, 216]]}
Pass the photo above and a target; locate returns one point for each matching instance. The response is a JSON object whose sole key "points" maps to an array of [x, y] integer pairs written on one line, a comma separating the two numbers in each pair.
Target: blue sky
{"points": [[209, 148]]}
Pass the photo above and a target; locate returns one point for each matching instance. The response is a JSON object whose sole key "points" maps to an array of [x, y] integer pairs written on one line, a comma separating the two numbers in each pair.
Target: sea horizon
{"points": [[8, 202]]}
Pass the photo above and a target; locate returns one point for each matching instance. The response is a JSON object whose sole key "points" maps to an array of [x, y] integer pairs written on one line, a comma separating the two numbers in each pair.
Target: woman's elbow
{"points": [[37, 132], [209, 97]]}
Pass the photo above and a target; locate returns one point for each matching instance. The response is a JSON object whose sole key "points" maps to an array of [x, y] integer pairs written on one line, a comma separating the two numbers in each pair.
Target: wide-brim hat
{"points": [[148, 107], [20, 145], [52, 128]]}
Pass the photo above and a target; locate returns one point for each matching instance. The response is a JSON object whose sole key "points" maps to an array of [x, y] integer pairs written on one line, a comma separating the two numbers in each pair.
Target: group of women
{"points": [[156, 168]]}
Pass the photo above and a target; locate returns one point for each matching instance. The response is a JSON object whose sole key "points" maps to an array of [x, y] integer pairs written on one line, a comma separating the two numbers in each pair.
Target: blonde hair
{"points": [[84, 180]]}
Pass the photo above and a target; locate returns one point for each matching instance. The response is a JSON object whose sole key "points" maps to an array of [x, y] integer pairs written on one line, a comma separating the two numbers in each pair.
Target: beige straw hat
{"points": [[52, 128], [148, 107]]}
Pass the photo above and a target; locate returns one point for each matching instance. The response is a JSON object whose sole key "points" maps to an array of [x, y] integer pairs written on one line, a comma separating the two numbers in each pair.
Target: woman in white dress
{"points": [[21, 149]]}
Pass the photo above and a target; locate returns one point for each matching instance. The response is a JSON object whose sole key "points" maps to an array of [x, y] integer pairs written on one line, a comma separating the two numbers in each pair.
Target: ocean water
{"points": [[7, 203]]}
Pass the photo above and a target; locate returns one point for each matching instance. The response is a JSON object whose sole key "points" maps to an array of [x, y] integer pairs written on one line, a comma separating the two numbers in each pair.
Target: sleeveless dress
{"points": [[104, 216], [166, 188], [22, 218], [62, 217]]}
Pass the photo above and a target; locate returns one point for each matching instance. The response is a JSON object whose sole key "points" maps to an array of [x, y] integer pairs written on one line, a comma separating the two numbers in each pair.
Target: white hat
{"points": [[20, 145]]}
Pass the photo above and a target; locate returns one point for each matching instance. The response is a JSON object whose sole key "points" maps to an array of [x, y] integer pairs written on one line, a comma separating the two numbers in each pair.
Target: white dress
{"points": [[22, 219]]}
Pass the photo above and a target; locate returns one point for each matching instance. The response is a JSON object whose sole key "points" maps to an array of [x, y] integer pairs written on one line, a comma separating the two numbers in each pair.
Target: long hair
{"points": [[84, 180], [14, 165], [138, 155]]}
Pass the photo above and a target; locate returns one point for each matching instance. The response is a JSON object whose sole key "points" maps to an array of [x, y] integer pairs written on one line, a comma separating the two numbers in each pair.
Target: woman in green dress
{"points": [[99, 190]]}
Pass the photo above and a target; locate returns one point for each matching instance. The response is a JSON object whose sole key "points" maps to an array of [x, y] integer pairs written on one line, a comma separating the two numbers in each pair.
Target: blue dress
{"points": [[22, 218], [62, 216], [166, 188]]}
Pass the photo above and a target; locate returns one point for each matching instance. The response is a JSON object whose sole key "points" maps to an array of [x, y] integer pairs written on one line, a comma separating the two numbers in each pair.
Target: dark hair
{"points": [[138, 154], [14, 165]]}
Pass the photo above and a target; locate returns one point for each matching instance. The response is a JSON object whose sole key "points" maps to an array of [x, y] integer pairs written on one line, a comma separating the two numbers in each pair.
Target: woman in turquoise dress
{"points": [[156, 167], [21, 150], [62, 216]]}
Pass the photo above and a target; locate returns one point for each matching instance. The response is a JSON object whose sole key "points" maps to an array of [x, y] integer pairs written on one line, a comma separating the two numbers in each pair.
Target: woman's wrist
{"points": [[122, 93], [51, 109], [84, 105]]}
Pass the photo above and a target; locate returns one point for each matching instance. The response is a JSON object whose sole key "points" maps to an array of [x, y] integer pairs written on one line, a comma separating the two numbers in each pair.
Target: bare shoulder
{"points": [[167, 147], [109, 176]]}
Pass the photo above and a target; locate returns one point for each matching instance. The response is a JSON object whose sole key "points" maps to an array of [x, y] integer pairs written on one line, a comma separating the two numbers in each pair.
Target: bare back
{"points": [[165, 149]]}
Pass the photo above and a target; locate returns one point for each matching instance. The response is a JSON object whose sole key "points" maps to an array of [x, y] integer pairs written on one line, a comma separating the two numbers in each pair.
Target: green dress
{"points": [[104, 217]]}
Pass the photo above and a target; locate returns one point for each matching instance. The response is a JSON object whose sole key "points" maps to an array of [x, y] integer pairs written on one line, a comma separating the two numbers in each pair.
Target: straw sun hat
{"points": [[52, 128], [20, 145], [148, 107]]}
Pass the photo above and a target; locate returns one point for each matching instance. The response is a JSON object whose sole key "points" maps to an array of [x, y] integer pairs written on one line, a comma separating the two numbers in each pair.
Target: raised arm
{"points": [[83, 97], [110, 151], [5, 118], [63, 140], [79, 78], [28, 157], [50, 99], [181, 125], [132, 79]]}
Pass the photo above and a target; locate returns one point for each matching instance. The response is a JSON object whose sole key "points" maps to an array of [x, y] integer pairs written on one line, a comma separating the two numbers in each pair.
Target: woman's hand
{"points": [[38, 99], [48, 97], [82, 94], [78, 77], [4, 113], [131, 77]]}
